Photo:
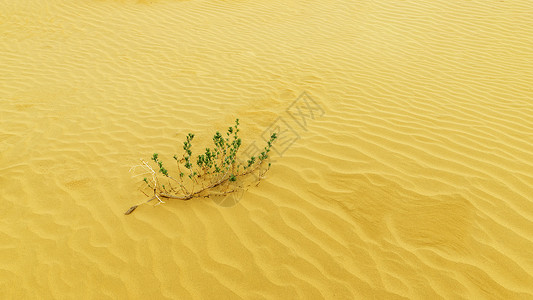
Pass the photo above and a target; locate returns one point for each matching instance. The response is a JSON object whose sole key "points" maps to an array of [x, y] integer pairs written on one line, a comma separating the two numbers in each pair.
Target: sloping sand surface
{"points": [[412, 177]]}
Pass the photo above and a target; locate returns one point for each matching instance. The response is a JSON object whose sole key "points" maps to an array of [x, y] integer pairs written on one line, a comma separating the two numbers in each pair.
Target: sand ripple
{"points": [[416, 182]]}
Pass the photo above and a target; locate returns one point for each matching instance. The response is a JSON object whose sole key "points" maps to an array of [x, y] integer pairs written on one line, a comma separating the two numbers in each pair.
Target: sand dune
{"points": [[413, 180]]}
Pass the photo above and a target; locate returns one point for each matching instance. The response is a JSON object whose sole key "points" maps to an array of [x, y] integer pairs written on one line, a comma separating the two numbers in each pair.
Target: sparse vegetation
{"points": [[216, 172]]}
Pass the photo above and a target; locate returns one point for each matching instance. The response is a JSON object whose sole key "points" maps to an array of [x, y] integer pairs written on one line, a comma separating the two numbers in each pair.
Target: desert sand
{"points": [[412, 177]]}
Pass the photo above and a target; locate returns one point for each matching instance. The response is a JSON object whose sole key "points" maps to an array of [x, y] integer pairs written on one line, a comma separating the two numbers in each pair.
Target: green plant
{"points": [[216, 172]]}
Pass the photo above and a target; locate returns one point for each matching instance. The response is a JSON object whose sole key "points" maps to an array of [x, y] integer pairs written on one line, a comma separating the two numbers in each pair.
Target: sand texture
{"points": [[412, 177]]}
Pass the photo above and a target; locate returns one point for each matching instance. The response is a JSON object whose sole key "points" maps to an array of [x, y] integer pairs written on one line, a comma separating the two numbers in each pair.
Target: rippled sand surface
{"points": [[413, 177]]}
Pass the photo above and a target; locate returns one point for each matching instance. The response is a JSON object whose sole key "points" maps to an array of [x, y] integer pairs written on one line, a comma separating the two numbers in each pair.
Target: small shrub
{"points": [[217, 171]]}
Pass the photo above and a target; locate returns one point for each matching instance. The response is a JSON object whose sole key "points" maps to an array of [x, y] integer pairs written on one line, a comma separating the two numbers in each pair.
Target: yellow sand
{"points": [[416, 182]]}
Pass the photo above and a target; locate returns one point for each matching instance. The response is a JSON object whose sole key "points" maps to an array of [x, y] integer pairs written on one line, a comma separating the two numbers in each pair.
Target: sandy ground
{"points": [[410, 176]]}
